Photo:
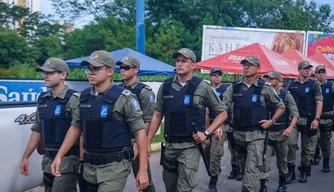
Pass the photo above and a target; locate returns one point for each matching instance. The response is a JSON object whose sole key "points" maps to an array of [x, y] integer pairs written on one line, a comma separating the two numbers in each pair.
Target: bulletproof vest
{"points": [[303, 95], [54, 120], [219, 91], [136, 91], [272, 109], [180, 111], [103, 133], [328, 97], [247, 109]]}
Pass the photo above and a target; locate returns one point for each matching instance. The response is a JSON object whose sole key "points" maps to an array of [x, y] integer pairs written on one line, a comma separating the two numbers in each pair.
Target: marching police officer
{"points": [[308, 97], [109, 115], [57, 111], [250, 97], [129, 67], [279, 133], [326, 118], [215, 150], [183, 99]]}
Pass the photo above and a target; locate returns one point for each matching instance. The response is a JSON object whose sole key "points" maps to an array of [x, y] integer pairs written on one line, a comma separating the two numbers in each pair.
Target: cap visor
{"points": [[265, 76], [91, 62], [307, 66], [177, 54], [44, 69], [123, 62]]}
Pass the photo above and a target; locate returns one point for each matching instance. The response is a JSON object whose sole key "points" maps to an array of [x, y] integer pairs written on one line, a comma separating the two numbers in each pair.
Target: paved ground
{"points": [[318, 182]]}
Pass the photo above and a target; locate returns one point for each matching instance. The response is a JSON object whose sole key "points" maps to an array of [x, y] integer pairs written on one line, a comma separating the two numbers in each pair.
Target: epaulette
{"points": [[148, 88], [77, 94], [126, 93], [207, 81], [267, 83]]}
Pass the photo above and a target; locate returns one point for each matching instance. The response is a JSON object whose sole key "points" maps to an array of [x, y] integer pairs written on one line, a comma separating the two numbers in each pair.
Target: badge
{"points": [[307, 89], [135, 104], [104, 111], [327, 90], [254, 98], [281, 98], [152, 99], [186, 99], [57, 110], [218, 94]]}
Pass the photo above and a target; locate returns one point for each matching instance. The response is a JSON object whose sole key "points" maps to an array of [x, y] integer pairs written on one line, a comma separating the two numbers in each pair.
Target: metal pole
{"points": [[140, 26]]}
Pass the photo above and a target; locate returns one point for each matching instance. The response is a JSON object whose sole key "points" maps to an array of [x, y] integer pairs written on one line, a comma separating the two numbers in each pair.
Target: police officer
{"points": [[109, 115], [57, 111], [326, 118], [308, 97], [183, 99], [279, 133], [249, 97], [215, 150], [129, 67]]}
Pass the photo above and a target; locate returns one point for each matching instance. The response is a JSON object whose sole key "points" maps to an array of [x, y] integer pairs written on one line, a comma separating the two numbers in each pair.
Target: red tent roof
{"points": [[322, 59], [270, 60], [297, 56]]}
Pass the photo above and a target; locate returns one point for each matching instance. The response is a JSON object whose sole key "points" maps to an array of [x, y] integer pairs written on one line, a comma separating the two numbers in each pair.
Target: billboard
{"points": [[220, 39], [320, 42]]}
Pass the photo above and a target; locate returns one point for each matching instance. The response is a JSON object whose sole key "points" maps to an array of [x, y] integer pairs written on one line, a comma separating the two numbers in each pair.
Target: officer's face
{"points": [[184, 65], [128, 72], [250, 69], [98, 75], [216, 78], [274, 82], [304, 72], [321, 74], [53, 79]]}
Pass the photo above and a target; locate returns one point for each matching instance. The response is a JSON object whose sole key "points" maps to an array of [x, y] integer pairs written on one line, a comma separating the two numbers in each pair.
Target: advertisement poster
{"points": [[320, 42], [219, 40]]}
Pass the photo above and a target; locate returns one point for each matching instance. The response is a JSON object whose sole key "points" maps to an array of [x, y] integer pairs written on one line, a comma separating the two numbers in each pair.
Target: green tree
{"points": [[49, 46]]}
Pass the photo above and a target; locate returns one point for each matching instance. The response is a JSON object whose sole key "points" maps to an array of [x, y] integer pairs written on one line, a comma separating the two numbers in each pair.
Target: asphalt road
{"points": [[318, 182]]}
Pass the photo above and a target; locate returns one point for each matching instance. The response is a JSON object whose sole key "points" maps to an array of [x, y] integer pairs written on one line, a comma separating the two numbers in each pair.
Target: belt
{"points": [[101, 159], [278, 127], [178, 139], [52, 154], [246, 128]]}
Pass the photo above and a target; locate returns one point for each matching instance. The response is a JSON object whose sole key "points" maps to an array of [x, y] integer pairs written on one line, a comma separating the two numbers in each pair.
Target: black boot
{"points": [[303, 173], [291, 175], [264, 184], [325, 165], [213, 184], [240, 175], [282, 184], [317, 156], [308, 172], [234, 172]]}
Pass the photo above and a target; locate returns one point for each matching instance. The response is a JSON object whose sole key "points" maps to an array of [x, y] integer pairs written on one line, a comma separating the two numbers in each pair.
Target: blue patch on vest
{"points": [[254, 98], [57, 110], [186, 99], [281, 98], [327, 90], [104, 111], [218, 94], [135, 104], [307, 89], [152, 99]]}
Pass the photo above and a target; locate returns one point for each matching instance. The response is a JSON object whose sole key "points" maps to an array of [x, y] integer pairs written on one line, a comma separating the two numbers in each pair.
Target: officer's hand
{"points": [[135, 151], [142, 180], [218, 134], [55, 166], [199, 137], [24, 167], [315, 124], [207, 143], [266, 123], [287, 132]]}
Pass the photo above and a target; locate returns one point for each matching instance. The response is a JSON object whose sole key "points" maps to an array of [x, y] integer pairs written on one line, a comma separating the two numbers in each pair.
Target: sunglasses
{"points": [[216, 75], [126, 68]]}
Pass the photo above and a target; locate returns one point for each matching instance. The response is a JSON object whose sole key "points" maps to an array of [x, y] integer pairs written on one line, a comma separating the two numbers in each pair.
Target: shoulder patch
{"points": [[148, 88], [152, 98], [77, 94], [207, 81], [126, 93], [267, 83], [135, 104]]}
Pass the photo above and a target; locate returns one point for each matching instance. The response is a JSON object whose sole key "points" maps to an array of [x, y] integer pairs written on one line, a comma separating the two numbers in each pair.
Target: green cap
{"points": [[186, 53], [320, 67], [54, 64], [304, 64], [129, 60], [274, 74], [216, 70], [251, 60], [100, 59]]}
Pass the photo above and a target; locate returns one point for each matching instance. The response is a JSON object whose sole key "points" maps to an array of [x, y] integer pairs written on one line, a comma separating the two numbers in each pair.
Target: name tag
{"points": [[168, 96], [42, 106], [85, 105]]}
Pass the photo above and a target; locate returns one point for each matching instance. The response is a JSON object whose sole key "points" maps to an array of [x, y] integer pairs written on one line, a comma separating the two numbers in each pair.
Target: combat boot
{"points": [[234, 172], [303, 173], [291, 175], [282, 184], [317, 156], [308, 172], [325, 165], [264, 184], [213, 184], [240, 175]]}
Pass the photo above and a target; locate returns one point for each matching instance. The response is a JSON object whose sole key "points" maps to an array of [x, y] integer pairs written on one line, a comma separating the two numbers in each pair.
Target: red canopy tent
{"points": [[297, 56], [270, 60], [322, 59]]}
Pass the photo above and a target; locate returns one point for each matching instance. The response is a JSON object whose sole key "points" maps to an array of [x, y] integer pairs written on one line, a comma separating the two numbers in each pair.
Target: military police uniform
{"points": [[250, 108], [108, 119], [146, 99], [54, 116], [305, 95]]}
